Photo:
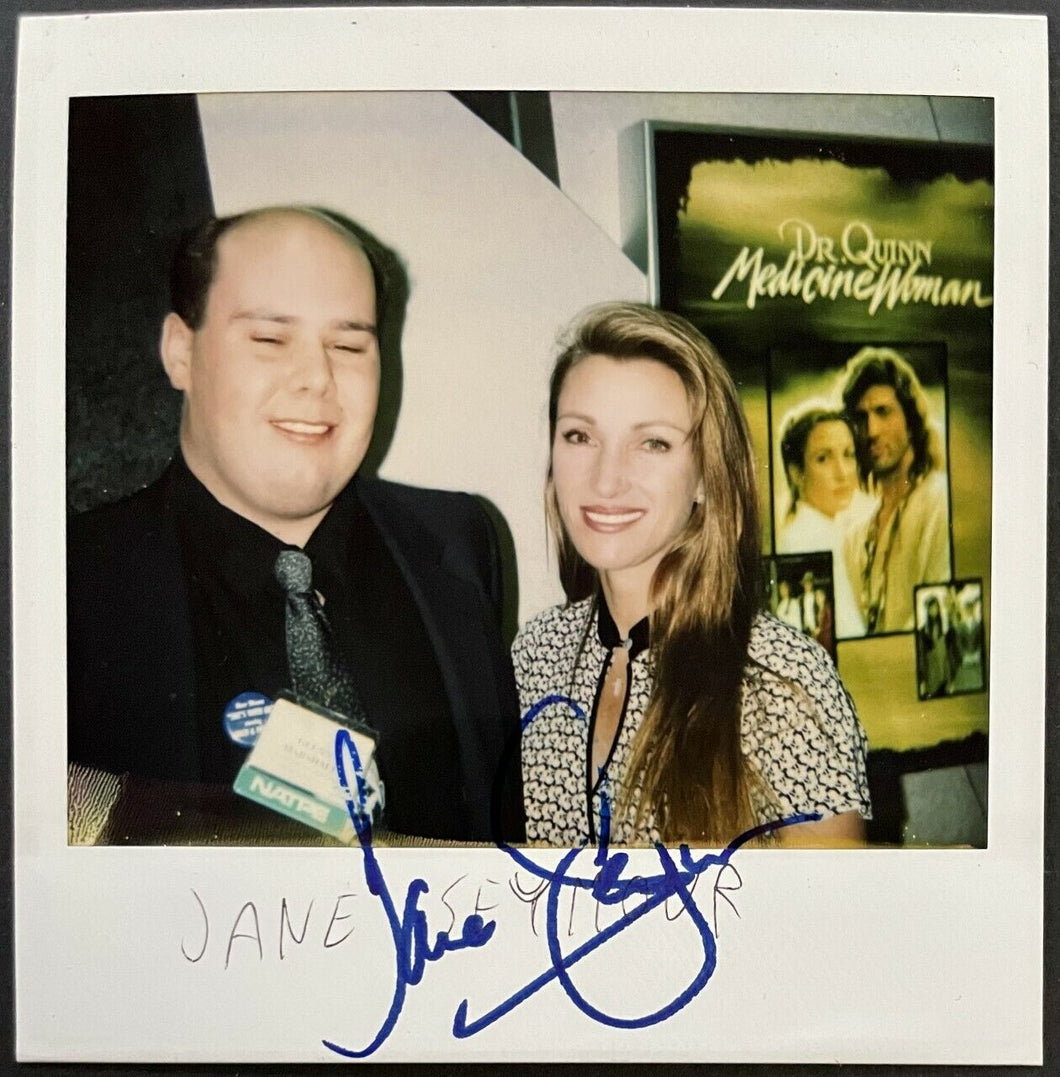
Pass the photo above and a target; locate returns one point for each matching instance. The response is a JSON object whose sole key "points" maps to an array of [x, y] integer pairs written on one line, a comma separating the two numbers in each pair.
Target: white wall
{"points": [[600, 144], [499, 261]]}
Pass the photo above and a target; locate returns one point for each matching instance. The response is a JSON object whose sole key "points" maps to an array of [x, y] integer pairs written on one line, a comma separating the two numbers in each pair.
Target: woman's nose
{"points": [[610, 474]]}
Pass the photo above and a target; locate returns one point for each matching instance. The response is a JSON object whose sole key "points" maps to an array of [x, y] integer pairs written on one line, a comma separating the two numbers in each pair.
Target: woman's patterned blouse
{"points": [[799, 731]]}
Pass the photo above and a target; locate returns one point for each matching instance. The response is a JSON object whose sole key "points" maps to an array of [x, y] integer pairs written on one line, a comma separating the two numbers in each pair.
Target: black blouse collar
{"points": [[607, 630]]}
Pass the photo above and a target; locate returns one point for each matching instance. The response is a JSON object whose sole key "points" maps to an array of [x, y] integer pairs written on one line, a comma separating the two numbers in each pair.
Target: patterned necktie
{"points": [[317, 671]]}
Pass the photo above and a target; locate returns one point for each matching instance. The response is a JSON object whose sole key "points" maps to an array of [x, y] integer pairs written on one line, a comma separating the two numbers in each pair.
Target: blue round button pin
{"points": [[244, 716]]}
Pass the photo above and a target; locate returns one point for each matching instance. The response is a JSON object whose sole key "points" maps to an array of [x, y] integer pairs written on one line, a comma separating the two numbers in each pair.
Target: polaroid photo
{"points": [[311, 455]]}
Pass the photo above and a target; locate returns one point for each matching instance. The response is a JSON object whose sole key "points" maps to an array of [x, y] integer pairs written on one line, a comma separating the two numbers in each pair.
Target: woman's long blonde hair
{"points": [[687, 768]]}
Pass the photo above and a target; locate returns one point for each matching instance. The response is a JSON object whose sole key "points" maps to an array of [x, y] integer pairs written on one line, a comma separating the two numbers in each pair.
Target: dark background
{"points": [[9, 12], [137, 179]]}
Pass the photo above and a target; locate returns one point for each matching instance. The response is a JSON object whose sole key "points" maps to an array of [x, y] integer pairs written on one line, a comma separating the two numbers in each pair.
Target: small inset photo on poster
{"points": [[859, 452], [950, 654], [800, 591]]}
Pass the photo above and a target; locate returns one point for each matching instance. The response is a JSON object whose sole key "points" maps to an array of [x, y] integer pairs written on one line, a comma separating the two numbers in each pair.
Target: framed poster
{"points": [[825, 490], [849, 284], [801, 591], [950, 650]]}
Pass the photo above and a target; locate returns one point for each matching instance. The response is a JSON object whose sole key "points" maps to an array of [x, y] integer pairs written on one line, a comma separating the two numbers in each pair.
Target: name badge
{"points": [[292, 768], [245, 716]]}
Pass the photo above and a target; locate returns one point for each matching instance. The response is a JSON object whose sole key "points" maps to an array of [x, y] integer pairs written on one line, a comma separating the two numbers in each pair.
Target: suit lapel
{"points": [[455, 615]]}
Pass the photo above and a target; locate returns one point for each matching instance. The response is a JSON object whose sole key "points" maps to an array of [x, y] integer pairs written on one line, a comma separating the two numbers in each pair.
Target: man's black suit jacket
{"points": [[131, 690]]}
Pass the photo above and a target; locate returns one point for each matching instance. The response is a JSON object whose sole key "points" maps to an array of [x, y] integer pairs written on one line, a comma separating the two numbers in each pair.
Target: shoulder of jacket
{"points": [[932, 485], [383, 490], [140, 513]]}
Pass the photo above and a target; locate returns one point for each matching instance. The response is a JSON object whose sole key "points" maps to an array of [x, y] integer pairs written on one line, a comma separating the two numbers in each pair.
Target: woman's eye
{"points": [[575, 437], [657, 445], [350, 349], [262, 338]]}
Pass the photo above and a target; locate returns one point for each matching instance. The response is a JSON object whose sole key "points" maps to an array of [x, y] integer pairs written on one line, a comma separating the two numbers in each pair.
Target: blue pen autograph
{"points": [[413, 949]]}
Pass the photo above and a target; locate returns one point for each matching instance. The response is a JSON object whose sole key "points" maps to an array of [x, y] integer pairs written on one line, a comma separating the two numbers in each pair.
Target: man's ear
{"points": [[175, 347]]}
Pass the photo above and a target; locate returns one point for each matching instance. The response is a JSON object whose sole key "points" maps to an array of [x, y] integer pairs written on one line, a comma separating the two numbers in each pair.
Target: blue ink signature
{"points": [[413, 949]]}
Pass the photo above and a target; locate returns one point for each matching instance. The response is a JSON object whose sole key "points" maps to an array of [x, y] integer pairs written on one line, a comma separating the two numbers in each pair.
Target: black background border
{"points": [[9, 13]]}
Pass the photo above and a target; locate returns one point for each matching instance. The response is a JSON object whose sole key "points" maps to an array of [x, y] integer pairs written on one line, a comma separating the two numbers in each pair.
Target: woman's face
{"points": [[830, 473], [622, 464]]}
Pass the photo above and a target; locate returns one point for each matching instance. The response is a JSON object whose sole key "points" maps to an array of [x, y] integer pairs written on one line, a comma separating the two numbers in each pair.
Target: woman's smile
{"points": [[609, 520]]}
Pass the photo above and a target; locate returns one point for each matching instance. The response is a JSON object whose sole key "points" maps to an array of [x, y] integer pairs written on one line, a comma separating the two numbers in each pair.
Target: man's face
{"points": [[281, 380], [881, 423]]}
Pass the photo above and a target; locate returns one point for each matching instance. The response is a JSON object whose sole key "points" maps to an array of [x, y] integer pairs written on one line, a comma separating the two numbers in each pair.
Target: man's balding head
{"points": [[195, 260], [275, 348]]}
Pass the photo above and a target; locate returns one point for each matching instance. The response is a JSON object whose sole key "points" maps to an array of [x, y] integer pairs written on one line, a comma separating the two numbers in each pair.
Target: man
{"points": [[175, 600], [808, 604], [906, 541]]}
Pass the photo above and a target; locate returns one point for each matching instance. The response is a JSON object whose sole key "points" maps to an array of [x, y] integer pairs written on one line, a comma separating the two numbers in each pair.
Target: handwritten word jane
{"points": [[236, 934]]}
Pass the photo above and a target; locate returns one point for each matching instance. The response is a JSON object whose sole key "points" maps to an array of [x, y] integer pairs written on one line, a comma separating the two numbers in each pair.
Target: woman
{"points": [[788, 605], [934, 653], [695, 717], [820, 465]]}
